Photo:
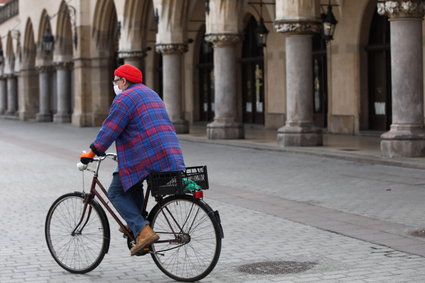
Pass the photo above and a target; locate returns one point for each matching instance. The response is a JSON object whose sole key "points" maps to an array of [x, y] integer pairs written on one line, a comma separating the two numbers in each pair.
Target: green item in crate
{"points": [[190, 185]]}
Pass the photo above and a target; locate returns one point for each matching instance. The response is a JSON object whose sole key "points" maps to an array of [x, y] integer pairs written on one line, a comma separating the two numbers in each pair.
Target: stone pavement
{"points": [[361, 148], [350, 220]]}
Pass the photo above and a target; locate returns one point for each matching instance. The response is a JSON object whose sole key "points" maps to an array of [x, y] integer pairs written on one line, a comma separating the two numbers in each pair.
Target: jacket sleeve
{"points": [[112, 127]]}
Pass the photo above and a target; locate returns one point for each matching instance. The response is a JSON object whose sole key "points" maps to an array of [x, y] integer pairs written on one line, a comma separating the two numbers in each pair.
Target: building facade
{"points": [[204, 59]]}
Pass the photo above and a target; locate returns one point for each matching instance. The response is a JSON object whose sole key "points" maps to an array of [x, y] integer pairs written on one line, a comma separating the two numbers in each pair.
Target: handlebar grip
{"points": [[86, 160]]}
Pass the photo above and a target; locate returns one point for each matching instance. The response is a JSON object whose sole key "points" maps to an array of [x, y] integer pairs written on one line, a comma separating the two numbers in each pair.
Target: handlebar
{"points": [[81, 166]]}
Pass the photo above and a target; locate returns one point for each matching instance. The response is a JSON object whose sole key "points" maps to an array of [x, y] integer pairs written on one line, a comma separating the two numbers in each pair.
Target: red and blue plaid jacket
{"points": [[144, 136]]}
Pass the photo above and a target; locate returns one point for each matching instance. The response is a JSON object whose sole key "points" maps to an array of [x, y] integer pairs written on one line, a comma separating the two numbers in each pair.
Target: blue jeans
{"points": [[129, 204]]}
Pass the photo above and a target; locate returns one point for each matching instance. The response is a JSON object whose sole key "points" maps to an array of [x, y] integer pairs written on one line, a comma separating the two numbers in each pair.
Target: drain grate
{"points": [[418, 233], [276, 267]]}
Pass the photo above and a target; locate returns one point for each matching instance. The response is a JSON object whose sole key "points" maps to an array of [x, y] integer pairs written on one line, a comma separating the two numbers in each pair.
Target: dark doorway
{"points": [[158, 82], [252, 65], [320, 82], [206, 81], [379, 68]]}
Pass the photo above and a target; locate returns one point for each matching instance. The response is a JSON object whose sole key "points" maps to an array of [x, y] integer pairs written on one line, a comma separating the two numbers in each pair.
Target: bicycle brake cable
{"points": [[82, 172]]}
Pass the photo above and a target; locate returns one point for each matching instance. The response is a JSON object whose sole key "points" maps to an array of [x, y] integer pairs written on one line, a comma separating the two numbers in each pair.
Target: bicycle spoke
{"points": [[76, 249], [193, 244]]}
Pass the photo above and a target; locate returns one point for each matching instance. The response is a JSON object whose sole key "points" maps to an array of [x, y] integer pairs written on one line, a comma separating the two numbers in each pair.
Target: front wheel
{"points": [[78, 244], [190, 238]]}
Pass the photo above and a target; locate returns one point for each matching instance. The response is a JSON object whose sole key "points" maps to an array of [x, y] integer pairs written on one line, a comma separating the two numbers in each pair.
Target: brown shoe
{"points": [[146, 237]]}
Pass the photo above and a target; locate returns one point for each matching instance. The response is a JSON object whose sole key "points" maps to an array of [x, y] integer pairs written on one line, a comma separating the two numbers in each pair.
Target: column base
{"points": [[181, 126], [299, 136], [12, 115], [82, 120], [62, 118], [225, 130], [43, 117], [25, 115], [405, 143]]}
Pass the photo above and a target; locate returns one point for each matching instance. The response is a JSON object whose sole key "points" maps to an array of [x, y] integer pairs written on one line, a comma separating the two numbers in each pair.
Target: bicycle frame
{"points": [[104, 199]]}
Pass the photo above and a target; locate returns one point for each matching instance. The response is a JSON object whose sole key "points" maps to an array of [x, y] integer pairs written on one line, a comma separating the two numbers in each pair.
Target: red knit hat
{"points": [[129, 72]]}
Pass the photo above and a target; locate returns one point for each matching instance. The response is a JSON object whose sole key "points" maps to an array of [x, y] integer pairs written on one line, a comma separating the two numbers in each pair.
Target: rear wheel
{"points": [[76, 246], [190, 238]]}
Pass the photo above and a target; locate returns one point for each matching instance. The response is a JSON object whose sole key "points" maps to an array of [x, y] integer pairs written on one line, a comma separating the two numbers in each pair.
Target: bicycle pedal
{"points": [[143, 252], [151, 252]]}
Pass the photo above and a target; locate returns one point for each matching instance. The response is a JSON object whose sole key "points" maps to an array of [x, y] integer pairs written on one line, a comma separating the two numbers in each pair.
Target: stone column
{"points": [[44, 76], [12, 96], [406, 137], [225, 124], [172, 84], [133, 57], [299, 129], [63, 86], [3, 96]]}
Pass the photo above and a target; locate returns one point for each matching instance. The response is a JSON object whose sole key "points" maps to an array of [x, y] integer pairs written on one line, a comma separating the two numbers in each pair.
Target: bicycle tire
{"points": [[82, 251], [198, 251]]}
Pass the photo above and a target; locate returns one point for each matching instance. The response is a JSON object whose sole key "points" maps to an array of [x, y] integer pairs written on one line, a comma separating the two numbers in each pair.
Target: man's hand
{"points": [[87, 157]]}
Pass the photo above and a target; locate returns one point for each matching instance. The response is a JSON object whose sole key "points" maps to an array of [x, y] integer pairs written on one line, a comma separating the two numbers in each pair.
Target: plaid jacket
{"points": [[144, 136]]}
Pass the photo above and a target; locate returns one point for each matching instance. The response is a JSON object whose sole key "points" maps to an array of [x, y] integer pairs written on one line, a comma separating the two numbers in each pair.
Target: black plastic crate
{"points": [[172, 183]]}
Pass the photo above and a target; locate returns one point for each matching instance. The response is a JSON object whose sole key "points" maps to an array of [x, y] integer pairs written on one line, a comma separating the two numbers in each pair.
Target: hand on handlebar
{"points": [[87, 157]]}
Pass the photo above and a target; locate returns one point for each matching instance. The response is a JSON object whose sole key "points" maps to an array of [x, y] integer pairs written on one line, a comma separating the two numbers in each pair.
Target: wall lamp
{"points": [[48, 38], [329, 23], [207, 6], [261, 30], [48, 41]]}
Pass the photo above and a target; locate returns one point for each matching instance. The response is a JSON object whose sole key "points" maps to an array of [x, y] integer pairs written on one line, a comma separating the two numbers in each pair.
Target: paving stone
{"points": [[38, 165]]}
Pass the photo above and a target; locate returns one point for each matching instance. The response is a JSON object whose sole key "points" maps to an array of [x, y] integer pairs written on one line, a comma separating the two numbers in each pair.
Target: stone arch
{"points": [[136, 31], [137, 14], [105, 34], [28, 86], [257, 11], [367, 16], [44, 27], [64, 34], [105, 28], [252, 73], [29, 48], [173, 19], [9, 54], [202, 86], [149, 41]]}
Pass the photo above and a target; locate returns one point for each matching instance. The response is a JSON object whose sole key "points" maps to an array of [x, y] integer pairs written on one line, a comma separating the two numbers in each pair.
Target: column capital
{"points": [[131, 54], [63, 64], [401, 8], [297, 27], [43, 68], [9, 76], [223, 39], [171, 48]]}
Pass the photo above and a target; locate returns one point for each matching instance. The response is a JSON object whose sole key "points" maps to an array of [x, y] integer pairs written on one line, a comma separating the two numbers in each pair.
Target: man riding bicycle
{"points": [[145, 141]]}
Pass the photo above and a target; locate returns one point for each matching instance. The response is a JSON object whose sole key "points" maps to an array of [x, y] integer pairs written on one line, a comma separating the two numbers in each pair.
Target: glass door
{"points": [[252, 76], [379, 67], [206, 82]]}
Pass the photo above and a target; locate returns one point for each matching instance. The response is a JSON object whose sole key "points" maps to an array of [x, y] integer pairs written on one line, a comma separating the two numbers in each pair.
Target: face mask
{"points": [[117, 90]]}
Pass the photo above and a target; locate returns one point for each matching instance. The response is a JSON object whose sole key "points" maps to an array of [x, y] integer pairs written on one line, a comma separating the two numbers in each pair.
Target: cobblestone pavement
{"points": [[37, 165]]}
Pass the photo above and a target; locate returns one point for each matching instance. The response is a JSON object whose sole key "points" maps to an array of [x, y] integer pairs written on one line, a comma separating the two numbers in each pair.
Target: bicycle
{"points": [[78, 233]]}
